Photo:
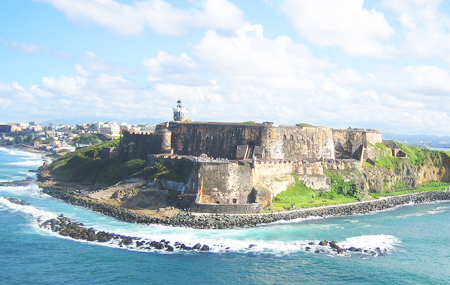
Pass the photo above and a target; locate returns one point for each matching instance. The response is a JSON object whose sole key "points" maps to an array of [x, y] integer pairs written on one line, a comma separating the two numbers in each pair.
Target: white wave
{"points": [[31, 190], [385, 243], [34, 163], [38, 214], [219, 241], [17, 152], [295, 221], [409, 215], [438, 210]]}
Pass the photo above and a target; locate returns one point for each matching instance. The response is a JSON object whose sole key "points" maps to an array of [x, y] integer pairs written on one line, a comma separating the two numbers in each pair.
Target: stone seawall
{"points": [[209, 221]]}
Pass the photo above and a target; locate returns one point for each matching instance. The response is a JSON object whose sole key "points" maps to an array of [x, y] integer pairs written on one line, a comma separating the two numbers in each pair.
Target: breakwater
{"points": [[66, 227], [226, 221], [17, 183]]}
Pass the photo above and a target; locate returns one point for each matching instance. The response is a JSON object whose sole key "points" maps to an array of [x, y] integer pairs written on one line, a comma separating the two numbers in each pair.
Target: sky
{"points": [[379, 64]]}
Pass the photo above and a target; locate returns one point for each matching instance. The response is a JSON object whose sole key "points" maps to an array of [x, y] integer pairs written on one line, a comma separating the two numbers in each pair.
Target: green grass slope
{"points": [[85, 165]]}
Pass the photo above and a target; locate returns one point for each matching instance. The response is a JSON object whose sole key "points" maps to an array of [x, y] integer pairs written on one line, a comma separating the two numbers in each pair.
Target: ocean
{"points": [[413, 242]]}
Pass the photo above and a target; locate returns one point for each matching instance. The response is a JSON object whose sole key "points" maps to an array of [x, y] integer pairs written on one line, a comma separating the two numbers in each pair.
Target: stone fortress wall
{"points": [[349, 143], [218, 183], [230, 164], [239, 141], [213, 139]]}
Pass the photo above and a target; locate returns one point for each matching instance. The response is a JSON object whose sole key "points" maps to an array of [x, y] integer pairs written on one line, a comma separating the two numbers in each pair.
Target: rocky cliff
{"points": [[403, 176]]}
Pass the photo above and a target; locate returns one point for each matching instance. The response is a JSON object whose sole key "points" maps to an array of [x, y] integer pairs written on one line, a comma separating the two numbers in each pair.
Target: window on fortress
{"points": [[234, 201], [285, 137]]}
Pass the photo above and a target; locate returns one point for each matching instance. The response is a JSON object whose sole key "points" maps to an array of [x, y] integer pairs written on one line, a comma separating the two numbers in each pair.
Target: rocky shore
{"points": [[18, 183], [68, 228], [226, 221]]}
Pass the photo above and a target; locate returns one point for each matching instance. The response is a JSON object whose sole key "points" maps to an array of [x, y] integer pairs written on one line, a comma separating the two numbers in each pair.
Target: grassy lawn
{"points": [[302, 196], [281, 206], [427, 186]]}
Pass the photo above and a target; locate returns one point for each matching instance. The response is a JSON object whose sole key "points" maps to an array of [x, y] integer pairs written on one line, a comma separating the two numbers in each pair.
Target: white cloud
{"points": [[425, 28], [177, 70], [248, 57], [64, 85], [342, 23], [159, 15], [164, 18], [242, 75], [350, 76], [422, 80], [111, 14]]}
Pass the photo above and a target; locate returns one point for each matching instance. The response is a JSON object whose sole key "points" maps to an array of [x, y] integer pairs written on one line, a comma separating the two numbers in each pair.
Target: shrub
{"points": [[435, 183], [342, 187], [388, 162], [86, 165]]}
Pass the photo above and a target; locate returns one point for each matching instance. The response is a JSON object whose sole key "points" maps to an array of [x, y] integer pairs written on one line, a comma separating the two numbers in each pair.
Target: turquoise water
{"points": [[415, 240]]}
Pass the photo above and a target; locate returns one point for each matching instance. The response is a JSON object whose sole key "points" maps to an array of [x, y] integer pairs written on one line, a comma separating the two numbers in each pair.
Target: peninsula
{"points": [[243, 173]]}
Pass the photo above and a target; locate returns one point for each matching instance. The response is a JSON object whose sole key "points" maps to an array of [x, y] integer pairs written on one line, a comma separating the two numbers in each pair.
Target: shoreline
{"points": [[28, 148], [76, 194], [229, 221]]}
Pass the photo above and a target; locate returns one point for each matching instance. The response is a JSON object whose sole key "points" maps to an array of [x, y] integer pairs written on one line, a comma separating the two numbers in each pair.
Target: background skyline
{"points": [[339, 63]]}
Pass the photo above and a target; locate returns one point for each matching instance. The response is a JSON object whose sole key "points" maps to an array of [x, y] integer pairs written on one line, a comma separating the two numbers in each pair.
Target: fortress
{"points": [[240, 167]]}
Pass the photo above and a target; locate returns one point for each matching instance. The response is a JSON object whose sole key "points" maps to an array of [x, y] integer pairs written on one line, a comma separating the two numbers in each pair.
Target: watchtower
{"points": [[179, 113]]}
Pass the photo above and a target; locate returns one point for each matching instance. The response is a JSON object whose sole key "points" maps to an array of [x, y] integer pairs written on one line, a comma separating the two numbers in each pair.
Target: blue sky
{"points": [[339, 63]]}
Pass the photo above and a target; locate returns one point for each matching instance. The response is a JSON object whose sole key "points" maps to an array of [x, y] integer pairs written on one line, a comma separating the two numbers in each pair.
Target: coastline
{"points": [[30, 149], [228, 221], [77, 194]]}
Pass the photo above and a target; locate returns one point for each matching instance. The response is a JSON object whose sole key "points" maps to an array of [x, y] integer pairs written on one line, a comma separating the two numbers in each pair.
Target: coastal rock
{"points": [[354, 249], [334, 245], [18, 201], [204, 248]]}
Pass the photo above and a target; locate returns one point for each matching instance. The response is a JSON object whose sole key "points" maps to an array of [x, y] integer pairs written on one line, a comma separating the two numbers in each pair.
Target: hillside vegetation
{"points": [[86, 165], [299, 195], [347, 187], [416, 156]]}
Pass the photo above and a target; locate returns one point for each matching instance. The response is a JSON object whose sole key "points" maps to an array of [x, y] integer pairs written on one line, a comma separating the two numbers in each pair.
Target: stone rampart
{"points": [[213, 139], [292, 142], [140, 144], [341, 164], [224, 183], [349, 143]]}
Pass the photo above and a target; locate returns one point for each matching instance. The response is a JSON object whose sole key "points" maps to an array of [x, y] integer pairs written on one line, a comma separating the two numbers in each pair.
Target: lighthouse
{"points": [[179, 113]]}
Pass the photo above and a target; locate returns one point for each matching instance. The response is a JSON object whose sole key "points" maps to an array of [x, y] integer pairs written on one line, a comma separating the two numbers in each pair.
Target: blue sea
{"points": [[414, 241]]}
